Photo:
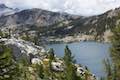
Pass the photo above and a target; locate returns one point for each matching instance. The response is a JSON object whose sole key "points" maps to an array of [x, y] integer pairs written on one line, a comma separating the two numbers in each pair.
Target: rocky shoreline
{"points": [[105, 38], [39, 55], [72, 39]]}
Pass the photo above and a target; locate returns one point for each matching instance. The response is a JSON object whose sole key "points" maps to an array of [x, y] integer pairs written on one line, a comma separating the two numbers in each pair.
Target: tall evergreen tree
{"points": [[24, 73], [68, 58], [108, 68], [8, 68], [70, 70], [40, 71], [51, 54], [115, 50], [1, 33]]}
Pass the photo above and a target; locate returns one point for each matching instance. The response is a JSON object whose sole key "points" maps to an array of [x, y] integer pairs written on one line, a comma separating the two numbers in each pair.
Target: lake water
{"points": [[90, 54]]}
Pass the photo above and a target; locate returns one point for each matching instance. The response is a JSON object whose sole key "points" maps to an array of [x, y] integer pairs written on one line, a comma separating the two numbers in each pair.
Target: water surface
{"points": [[90, 54]]}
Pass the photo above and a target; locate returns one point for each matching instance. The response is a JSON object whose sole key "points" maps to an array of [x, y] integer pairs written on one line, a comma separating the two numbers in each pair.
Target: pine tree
{"points": [[68, 58], [114, 77], [40, 71], [70, 70], [1, 33], [8, 68], [115, 50], [108, 68], [51, 54], [24, 73]]}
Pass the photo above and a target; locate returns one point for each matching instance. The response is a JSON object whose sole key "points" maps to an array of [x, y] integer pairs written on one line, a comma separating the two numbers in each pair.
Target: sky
{"points": [[77, 7]]}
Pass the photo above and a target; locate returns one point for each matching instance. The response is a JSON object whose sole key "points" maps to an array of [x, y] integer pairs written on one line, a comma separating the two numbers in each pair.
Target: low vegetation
{"points": [[115, 52], [21, 69]]}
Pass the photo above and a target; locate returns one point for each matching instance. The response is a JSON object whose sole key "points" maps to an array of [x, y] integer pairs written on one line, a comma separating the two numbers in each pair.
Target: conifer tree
{"points": [[70, 70], [115, 50], [8, 67], [68, 58], [40, 71], [51, 54], [24, 73], [1, 33], [108, 69]]}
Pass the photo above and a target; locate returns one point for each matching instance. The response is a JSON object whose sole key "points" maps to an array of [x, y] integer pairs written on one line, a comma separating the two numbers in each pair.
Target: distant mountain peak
{"points": [[3, 6], [5, 10]]}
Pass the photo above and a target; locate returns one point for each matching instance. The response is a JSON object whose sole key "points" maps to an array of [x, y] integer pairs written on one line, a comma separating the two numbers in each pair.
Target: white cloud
{"points": [[84, 7]]}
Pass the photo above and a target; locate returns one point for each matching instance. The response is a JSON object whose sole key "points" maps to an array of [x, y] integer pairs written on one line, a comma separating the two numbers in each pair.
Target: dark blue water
{"points": [[90, 54]]}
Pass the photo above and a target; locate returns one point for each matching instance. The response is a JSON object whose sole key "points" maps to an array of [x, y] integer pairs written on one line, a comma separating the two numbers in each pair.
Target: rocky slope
{"points": [[36, 55], [34, 16], [22, 48]]}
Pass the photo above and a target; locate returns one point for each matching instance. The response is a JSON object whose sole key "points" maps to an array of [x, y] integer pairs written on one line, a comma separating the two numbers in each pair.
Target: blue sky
{"points": [[78, 7]]}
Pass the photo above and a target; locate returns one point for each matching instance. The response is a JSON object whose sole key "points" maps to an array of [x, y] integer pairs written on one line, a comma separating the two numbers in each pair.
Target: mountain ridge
{"points": [[48, 23], [4, 10]]}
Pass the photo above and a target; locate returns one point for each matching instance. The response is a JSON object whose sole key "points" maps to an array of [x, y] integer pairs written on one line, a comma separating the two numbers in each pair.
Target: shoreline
{"points": [[105, 38], [54, 41]]}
